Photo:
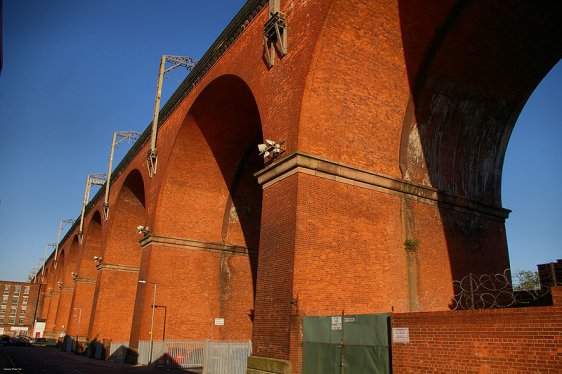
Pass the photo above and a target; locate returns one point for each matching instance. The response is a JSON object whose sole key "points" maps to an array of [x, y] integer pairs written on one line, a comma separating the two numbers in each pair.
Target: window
{"points": [[26, 290], [13, 310], [4, 299], [15, 300], [17, 289], [3, 309], [24, 300], [21, 320], [22, 310], [12, 320], [1, 319], [6, 288]]}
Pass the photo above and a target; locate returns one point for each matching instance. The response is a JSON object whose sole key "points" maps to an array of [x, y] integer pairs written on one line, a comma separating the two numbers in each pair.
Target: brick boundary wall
{"points": [[511, 340]]}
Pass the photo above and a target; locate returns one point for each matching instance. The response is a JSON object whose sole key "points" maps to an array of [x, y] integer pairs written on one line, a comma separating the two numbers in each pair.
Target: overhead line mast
{"points": [[176, 61], [91, 179], [118, 138]]}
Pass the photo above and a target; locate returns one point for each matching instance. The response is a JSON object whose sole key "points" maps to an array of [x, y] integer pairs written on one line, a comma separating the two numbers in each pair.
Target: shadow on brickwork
{"points": [[471, 68]]}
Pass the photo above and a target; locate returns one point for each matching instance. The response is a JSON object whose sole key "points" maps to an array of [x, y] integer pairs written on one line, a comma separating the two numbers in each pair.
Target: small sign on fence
{"points": [[401, 335], [336, 323]]}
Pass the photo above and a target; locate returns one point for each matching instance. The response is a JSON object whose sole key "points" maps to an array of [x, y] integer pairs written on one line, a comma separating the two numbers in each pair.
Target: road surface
{"points": [[47, 360]]}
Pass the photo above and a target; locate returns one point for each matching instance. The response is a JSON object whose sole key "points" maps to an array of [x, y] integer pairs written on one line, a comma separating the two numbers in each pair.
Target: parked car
{"points": [[40, 342], [4, 340], [21, 341]]}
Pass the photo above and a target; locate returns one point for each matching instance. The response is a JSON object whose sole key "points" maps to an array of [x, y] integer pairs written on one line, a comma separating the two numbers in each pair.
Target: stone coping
{"points": [[301, 162]]}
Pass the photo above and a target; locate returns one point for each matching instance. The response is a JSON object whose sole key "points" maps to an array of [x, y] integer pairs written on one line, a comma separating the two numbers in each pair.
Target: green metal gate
{"points": [[354, 344]]}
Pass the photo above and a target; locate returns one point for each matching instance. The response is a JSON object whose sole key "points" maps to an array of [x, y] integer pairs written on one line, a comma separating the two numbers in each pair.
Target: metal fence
{"points": [[214, 357], [187, 354], [118, 351], [226, 357]]}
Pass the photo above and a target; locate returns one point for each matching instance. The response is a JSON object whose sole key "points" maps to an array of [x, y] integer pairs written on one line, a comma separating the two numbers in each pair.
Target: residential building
{"points": [[18, 307]]}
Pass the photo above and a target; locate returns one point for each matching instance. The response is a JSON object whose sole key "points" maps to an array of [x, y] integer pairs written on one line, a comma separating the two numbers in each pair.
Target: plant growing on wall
{"points": [[411, 245]]}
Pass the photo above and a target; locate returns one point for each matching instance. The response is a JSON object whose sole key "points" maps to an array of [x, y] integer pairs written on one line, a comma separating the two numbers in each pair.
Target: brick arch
{"points": [[468, 66], [54, 322], [212, 157], [121, 242], [59, 269], [436, 91], [49, 274], [468, 87], [91, 247], [85, 282], [207, 219], [470, 72], [211, 171], [71, 262], [69, 259], [117, 275], [49, 277]]}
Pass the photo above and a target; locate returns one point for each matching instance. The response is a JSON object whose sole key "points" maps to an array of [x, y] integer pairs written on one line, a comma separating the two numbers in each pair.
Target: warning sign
{"points": [[336, 323], [401, 335]]}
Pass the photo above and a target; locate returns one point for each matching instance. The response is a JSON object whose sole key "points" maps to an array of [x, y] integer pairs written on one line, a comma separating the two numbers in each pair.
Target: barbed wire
{"points": [[475, 291]]}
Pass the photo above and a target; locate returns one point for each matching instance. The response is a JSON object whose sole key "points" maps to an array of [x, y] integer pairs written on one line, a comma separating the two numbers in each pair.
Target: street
{"points": [[41, 360]]}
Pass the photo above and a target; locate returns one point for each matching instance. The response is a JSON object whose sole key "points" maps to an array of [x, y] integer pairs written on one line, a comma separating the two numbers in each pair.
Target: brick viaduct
{"points": [[396, 115]]}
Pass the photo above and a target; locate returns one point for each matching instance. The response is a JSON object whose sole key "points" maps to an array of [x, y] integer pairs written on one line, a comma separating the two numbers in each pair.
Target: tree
{"points": [[525, 280]]}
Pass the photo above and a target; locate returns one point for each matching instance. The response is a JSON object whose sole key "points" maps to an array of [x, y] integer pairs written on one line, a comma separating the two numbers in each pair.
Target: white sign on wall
{"points": [[401, 335], [219, 321]]}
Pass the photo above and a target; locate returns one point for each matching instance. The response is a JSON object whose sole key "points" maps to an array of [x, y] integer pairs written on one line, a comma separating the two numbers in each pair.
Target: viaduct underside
{"points": [[395, 117]]}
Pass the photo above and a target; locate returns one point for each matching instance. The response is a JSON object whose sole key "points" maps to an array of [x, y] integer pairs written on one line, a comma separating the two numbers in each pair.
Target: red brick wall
{"points": [[42, 314], [48, 278], [112, 311], [69, 264], [85, 284], [196, 286], [116, 285], [483, 341], [236, 297], [52, 312], [63, 310], [54, 318], [81, 304], [275, 269], [91, 247], [121, 246], [189, 195], [357, 87]]}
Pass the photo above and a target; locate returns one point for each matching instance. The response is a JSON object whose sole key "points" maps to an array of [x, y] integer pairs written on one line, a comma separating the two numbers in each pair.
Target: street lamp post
{"points": [[152, 321]]}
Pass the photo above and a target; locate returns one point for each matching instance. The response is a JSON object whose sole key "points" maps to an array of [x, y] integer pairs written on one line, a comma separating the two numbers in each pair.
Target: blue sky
{"points": [[76, 71]]}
